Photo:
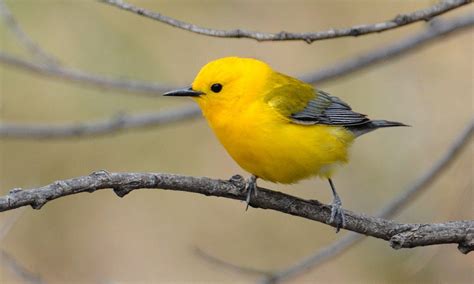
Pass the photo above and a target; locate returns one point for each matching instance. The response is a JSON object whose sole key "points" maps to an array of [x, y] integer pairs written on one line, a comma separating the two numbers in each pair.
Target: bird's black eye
{"points": [[216, 88]]}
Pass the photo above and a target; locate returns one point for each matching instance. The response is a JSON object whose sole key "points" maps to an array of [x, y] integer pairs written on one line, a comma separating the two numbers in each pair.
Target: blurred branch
{"points": [[436, 29], [52, 68], [115, 124], [8, 261], [399, 21], [398, 235], [342, 245], [237, 268], [77, 76], [8, 224], [23, 38]]}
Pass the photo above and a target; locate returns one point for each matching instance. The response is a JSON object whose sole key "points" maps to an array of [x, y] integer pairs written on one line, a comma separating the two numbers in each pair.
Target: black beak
{"points": [[186, 92]]}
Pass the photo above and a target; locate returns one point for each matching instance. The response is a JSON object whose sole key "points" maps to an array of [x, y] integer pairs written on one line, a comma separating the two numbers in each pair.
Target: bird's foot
{"points": [[337, 214], [251, 189]]}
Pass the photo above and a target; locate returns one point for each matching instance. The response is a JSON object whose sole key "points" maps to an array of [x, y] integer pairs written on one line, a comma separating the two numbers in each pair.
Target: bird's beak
{"points": [[186, 92]]}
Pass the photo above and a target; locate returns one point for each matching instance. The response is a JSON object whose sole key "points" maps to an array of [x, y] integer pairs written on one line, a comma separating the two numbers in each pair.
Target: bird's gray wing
{"points": [[329, 110]]}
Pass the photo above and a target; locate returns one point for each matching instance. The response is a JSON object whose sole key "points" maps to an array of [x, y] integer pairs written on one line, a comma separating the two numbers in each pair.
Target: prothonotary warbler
{"points": [[276, 127]]}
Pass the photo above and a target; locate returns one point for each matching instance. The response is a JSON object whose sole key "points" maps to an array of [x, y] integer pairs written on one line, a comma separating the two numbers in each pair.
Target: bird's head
{"points": [[224, 82]]}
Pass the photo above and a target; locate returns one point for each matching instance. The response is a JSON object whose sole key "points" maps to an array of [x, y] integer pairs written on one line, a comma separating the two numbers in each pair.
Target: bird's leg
{"points": [[251, 189], [337, 214]]}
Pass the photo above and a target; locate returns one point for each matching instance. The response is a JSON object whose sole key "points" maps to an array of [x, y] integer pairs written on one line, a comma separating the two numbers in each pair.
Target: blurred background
{"points": [[150, 236]]}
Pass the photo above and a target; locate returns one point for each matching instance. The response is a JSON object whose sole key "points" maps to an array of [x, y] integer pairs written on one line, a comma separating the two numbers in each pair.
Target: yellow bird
{"points": [[276, 127]]}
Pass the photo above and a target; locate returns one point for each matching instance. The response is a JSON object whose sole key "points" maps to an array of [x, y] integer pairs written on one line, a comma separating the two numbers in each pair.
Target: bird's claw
{"points": [[337, 215], [251, 189]]}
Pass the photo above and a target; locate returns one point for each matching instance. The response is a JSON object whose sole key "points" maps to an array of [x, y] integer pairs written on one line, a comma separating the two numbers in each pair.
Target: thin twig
{"points": [[399, 21], [238, 268], [22, 37], [436, 29], [8, 261], [83, 78], [342, 245], [398, 235], [115, 124], [8, 225]]}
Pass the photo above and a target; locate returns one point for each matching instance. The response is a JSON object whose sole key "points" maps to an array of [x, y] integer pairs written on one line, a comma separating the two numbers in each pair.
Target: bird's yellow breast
{"points": [[273, 148]]}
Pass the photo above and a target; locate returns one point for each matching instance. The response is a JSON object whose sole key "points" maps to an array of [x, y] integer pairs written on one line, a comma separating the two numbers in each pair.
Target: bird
{"points": [[276, 127]]}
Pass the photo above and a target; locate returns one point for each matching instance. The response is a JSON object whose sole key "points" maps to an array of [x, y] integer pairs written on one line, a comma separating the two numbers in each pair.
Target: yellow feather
{"points": [[258, 135]]}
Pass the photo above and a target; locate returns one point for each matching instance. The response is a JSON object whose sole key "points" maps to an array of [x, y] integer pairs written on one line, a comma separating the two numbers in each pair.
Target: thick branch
{"points": [[398, 21], [120, 122], [458, 232]]}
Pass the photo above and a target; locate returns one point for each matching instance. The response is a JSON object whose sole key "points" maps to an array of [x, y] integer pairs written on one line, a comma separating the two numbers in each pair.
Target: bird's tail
{"points": [[359, 130]]}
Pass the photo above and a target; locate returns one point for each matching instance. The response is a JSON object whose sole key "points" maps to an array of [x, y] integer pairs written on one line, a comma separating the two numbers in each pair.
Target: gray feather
{"points": [[330, 110], [372, 125]]}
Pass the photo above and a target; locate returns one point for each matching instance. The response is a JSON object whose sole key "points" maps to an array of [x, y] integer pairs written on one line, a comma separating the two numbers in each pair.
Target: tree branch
{"points": [[399, 235], [8, 261], [115, 124], [26, 276], [237, 268], [22, 37], [83, 78], [399, 21], [436, 29]]}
